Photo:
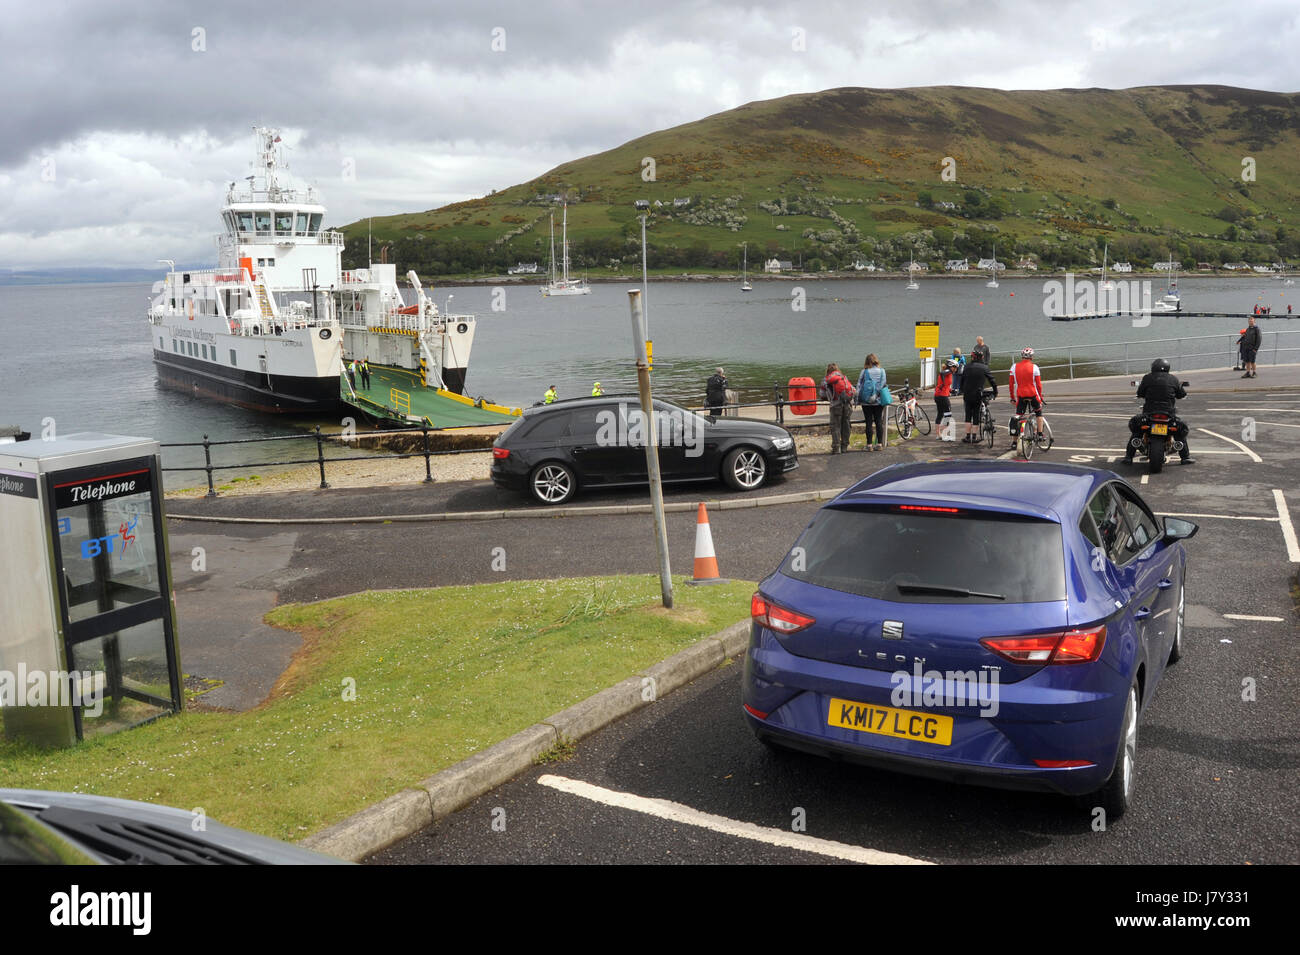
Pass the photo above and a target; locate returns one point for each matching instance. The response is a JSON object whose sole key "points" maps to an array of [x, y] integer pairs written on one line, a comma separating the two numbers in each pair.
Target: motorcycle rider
{"points": [[1159, 390]]}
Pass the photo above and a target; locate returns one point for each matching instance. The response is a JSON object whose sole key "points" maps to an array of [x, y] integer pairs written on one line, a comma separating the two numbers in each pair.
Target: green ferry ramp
{"points": [[397, 397]]}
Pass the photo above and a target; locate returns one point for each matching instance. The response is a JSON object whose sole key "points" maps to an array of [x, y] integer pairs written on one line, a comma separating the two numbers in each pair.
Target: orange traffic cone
{"points": [[706, 563]]}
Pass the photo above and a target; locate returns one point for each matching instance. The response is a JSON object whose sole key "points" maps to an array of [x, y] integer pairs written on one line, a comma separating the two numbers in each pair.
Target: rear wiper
{"points": [[941, 589]]}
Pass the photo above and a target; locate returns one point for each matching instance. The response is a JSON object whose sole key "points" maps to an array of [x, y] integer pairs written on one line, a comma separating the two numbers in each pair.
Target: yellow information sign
{"points": [[927, 334]]}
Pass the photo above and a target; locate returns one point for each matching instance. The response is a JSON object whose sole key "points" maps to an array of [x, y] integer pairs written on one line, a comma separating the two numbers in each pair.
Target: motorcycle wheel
{"points": [[1156, 454]]}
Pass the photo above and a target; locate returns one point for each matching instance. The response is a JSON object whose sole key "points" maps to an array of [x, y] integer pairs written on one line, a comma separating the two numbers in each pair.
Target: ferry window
{"points": [[263, 221], [270, 263], [232, 358], [302, 223], [245, 222], [315, 223], [160, 341], [284, 222], [261, 263]]}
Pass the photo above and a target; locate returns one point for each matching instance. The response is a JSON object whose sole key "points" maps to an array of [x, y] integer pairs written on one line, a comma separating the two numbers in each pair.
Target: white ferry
{"points": [[270, 327]]}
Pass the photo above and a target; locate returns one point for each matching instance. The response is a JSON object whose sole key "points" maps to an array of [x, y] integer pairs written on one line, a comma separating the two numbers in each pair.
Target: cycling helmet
{"points": [[1159, 365], [950, 363], [1026, 353]]}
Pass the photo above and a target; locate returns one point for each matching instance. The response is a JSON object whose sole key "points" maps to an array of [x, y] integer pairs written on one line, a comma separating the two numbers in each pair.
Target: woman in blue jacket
{"points": [[870, 383]]}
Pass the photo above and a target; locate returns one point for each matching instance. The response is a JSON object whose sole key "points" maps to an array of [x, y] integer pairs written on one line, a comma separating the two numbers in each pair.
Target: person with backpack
{"points": [[838, 391], [871, 383]]}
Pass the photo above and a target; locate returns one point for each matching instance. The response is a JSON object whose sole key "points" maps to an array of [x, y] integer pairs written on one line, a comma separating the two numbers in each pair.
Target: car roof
{"points": [[1055, 492], [588, 400]]}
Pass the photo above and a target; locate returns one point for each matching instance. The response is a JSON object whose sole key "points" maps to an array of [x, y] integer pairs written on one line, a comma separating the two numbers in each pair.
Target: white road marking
{"points": [[685, 815], [1288, 529], [1061, 447], [1073, 414], [1240, 408], [1144, 478], [1226, 517], [1246, 616], [1253, 456]]}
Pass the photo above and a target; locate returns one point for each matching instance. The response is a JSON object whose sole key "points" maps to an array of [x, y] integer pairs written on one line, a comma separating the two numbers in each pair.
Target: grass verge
{"points": [[388, 688]]}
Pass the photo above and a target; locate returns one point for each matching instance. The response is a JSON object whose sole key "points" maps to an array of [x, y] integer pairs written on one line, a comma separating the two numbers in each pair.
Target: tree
{"points": [[925, 200]]}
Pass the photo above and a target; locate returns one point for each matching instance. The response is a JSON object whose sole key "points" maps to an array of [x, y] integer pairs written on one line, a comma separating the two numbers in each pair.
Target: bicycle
{"points": [[909, 417], [1028, 437], [987, 428]]}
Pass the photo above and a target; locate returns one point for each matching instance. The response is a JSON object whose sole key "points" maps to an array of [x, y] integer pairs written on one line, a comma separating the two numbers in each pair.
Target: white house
{"points": [[643, 203], [987, 264], [1027, 264], [957, 265], [682, 202], [860, 266], [1122, 267], [1166, 266]]}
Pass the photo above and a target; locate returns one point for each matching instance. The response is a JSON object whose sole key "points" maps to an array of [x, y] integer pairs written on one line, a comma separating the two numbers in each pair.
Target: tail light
{"points": [[1158, 416], [1062, 763], [1071, 646], [767, 614], [500, 454]]}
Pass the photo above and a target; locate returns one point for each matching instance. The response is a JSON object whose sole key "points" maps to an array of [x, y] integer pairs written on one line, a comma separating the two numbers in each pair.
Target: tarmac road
{"points": [[1218, 775]]}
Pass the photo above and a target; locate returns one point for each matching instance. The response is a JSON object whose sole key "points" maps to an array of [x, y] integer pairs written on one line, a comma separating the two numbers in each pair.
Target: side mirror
{"points": [[1177, 529]]}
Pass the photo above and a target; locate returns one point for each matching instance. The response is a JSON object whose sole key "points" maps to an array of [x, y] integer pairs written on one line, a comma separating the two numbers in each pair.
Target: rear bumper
{"points": [[1034, 718]]}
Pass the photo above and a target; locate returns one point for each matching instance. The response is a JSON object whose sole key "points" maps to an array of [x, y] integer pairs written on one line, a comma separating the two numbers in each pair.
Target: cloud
{"points": [[146, 110]]}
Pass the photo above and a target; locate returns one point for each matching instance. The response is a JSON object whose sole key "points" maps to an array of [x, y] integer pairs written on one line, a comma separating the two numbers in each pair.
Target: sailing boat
{"points": [[563, 285], [911, 274], [1106, 284], [993, 269], [744, 273], [1170, 302]]}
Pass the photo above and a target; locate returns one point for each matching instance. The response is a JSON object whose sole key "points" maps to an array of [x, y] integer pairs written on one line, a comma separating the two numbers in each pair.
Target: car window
{"points": [[549, 427], [1142, 526], [583, 423], [913, 557], [1089, 529], [1111, 528]]}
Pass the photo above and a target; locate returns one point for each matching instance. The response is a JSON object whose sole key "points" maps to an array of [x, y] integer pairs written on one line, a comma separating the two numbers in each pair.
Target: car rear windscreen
{"points": [[918, 556]]}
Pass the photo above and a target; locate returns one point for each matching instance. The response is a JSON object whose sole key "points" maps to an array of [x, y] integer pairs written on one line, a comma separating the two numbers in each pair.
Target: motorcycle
{"points": [[1157, 437]]}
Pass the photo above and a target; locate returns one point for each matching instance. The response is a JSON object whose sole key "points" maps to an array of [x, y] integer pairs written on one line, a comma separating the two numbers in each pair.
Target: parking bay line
{"points": [[1288, 529], [1253, 456], [685, 815], [1247, 616], [1111, 450]]}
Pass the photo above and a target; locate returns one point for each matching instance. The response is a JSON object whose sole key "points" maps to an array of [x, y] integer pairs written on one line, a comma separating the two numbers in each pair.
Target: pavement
{"points": [[1244, 562]]}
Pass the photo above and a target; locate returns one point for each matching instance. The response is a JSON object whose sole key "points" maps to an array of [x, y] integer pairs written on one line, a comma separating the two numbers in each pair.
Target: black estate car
{"points": [[553, 450]]}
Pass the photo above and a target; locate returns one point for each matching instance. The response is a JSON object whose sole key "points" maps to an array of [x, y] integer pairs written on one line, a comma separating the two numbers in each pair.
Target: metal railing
{"points": [[321, 439], [1187, 352]]}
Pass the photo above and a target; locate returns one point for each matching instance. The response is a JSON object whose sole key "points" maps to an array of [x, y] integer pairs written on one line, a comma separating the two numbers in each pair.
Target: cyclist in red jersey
{"points": [[1027, 387]]}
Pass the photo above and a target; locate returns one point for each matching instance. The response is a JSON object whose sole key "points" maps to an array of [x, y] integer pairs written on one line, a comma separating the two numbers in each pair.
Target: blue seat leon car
{"points": [[998, 623]]}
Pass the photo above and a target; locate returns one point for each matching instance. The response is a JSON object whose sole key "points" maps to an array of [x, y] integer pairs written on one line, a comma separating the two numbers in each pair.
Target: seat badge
{"points": [[892, 630]]}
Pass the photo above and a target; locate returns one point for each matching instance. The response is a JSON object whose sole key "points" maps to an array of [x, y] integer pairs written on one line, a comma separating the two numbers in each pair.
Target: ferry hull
{"points": [[256, 391]]}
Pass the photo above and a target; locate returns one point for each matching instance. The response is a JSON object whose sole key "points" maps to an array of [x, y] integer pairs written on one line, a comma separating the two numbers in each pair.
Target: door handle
{"points": [[1142, 613], [1165, 583], [578, 450]]}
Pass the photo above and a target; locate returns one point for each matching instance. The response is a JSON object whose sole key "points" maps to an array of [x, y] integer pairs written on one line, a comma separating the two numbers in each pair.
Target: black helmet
{"points": [[1159, 365]]}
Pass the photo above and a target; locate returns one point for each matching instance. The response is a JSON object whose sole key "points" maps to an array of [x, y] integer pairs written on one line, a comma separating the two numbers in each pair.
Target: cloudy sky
{"points": [[124, 120]]}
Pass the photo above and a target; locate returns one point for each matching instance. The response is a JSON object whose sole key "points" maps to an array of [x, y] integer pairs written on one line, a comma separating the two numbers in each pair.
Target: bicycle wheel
{"points": [[986, 424], [903, 422], [1025, 443], [1044, 440], [922, 420]]}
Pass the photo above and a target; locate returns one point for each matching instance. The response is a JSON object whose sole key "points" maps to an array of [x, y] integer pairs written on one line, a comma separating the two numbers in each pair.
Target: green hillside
{"points": [[825, 178]]}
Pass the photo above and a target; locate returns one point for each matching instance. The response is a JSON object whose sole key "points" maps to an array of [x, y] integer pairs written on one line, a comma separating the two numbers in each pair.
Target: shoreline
{"points": [[538, 279]]}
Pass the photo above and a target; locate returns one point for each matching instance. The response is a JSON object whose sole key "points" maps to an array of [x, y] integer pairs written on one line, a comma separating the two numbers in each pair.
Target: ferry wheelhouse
{"points": [[270, 328]]}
